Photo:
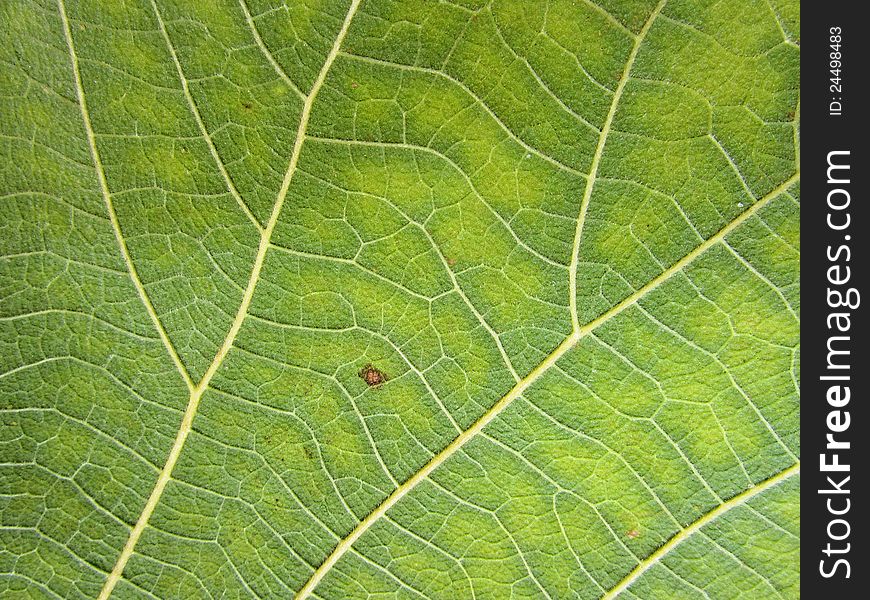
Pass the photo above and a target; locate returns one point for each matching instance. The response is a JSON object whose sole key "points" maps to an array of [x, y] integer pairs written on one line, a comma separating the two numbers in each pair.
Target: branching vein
{"points": [[711, 516], [110, 208], [198, 390], [596, 161]]}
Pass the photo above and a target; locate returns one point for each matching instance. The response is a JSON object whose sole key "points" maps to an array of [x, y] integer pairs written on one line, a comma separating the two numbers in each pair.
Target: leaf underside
{"points": [[399, 299]]}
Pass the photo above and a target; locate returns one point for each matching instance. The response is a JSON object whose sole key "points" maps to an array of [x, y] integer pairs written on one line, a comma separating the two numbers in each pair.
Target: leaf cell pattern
{"points": [[567, 232]]}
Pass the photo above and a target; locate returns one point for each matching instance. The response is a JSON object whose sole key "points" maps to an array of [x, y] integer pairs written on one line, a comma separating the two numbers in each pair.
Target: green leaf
{"points": [[417, 299]]}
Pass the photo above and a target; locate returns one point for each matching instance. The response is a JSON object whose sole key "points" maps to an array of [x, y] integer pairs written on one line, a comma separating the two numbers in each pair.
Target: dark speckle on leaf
{"points": [[372, 376]]}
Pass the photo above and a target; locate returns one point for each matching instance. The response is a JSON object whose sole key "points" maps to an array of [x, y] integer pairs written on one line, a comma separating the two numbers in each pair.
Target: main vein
{"points": [[687, 532], [197, 391], [596, 160]]}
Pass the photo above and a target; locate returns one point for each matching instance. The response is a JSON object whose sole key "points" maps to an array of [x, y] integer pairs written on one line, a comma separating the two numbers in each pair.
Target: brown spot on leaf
{"points": [[372, 376], [354, 84], [632, 533], [451, 261]]}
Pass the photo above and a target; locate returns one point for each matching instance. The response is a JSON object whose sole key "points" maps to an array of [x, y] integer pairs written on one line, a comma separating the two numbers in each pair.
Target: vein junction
{"points": [[196, 391]]}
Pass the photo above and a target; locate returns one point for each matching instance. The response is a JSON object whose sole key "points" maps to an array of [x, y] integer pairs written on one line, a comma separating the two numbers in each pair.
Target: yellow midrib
{"points": [[568, 343]]}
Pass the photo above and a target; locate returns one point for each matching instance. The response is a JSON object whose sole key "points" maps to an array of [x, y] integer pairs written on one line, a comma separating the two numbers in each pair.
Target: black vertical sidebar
{"points": [[835, 226]]}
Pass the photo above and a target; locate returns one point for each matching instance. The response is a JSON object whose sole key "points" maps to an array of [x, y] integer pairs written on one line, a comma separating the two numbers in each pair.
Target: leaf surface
{"points": [[565, 234]]}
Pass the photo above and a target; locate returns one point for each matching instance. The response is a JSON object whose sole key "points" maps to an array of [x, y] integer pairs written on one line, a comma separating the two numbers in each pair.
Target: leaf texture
{"points": [[566, 234]]}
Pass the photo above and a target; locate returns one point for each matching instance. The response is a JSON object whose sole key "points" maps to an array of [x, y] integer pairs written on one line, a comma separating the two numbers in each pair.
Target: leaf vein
{"points": [[197, 391], [249, 19], [596, 161], [696, 526], [567, 344], [200, 123], [477, 100], [107, 198]]}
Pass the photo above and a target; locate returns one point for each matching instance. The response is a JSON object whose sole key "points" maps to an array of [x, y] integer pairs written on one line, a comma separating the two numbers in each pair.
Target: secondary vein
{"points": [[693, 528], [567, 344], [596, 160], [110, 208], [430, 466], [202, 128], [197, 391]]}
